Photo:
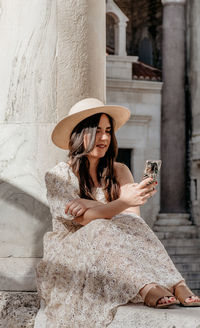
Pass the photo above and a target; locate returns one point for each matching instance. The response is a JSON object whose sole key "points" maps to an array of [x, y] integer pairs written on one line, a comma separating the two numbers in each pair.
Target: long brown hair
{"points": [[106, 175]]}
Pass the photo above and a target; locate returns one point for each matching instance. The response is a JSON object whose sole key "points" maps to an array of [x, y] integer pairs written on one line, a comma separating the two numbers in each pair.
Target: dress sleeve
{"points": [[60, 189]]}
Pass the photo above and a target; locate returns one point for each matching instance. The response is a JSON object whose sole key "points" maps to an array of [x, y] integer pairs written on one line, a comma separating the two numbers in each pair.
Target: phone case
{"points": [[151, 169]]}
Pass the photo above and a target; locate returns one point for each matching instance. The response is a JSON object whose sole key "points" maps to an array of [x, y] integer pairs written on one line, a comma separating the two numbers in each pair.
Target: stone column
{"points": [[81, 68], [173, 143], [194, 83], [120, 39], [53, 55]]}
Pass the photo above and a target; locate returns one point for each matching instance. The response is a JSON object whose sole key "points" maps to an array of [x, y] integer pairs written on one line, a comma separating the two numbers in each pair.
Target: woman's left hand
{"points": [[75, 207]]}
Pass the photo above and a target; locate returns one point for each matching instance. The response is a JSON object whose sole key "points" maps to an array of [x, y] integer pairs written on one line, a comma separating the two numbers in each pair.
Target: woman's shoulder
{"points": [[123, 173], [61, 174], [61, 170], [121, 167]]}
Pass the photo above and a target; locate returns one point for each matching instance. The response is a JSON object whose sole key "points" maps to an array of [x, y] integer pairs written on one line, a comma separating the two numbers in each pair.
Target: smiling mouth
{"points": [[101, 146]]}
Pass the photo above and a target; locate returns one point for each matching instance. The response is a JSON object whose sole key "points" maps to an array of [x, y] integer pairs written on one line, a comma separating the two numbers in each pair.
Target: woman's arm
{"points": [[124, 176], [78, 206], [131, 195], [106, 211]]}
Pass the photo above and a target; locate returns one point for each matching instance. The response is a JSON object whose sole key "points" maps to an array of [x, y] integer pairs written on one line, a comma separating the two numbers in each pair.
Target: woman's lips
{"points": [[101, 146]]}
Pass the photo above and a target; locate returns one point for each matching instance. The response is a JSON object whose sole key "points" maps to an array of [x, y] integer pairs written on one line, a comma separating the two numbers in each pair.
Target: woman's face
{"points": [[103, 138]]}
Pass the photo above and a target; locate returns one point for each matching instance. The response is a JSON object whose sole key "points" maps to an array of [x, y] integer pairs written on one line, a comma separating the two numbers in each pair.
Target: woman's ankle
{"points": [[144, 290], [180, 283]]}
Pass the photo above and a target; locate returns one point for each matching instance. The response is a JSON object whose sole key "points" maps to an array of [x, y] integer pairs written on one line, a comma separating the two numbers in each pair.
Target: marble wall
{"points": [[28, 42]]}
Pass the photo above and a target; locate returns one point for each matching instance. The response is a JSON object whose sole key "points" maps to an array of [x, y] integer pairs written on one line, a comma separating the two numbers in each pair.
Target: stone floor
{"points": [[19, 309]]}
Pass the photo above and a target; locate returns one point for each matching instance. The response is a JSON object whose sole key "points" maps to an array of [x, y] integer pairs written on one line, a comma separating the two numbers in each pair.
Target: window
{"points": [[125, 156], [146, 51]]}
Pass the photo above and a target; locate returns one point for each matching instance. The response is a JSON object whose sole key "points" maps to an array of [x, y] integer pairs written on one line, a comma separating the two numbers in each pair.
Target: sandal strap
{"points": [[155, 293], [182, 292]]}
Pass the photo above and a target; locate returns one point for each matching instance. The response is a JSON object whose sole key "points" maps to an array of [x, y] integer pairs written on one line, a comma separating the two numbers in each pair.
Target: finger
{"points": [[145, 183], [68, 204], [74, 209], [77, 211], [80, 212], [148, 189], [149, 194]]}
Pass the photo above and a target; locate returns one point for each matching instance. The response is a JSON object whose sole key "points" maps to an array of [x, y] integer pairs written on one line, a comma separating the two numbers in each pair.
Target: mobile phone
{"points": [[152, 167]]}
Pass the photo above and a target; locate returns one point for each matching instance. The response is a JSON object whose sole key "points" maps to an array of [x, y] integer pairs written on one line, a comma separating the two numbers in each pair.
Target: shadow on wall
{"points": [[23, 223]]}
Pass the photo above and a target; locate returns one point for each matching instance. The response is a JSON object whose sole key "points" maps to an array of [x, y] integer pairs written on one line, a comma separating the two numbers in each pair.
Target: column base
{"points": [[173, 219], [175, 225], [18, 274]]}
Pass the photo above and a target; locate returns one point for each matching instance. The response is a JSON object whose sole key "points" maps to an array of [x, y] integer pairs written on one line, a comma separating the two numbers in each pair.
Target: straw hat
{"points": [[81, 110]]}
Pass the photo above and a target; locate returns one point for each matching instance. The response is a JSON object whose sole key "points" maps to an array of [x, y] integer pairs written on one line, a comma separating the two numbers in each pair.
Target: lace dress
{"points": [[88, 271]]}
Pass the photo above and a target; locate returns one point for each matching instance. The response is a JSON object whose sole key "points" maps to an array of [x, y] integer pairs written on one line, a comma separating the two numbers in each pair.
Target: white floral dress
{"points": [[88, 271]]}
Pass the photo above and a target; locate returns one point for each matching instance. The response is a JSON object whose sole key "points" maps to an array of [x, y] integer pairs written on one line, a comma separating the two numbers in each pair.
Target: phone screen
{"points": [[152, 167]]}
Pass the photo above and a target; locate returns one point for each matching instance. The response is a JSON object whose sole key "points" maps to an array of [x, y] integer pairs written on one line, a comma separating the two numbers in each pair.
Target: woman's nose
{"points": [[104, 136]]}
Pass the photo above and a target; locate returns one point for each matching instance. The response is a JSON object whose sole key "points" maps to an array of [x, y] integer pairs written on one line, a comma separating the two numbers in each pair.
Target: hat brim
{"points": [[62, 131]]}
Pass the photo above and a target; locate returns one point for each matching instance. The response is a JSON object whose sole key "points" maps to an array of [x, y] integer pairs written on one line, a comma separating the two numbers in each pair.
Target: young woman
{"points": [[101, 253]]}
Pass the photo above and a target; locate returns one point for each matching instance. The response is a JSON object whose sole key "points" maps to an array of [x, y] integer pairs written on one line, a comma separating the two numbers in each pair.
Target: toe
{"points": [[166, 300], [192, 299]]}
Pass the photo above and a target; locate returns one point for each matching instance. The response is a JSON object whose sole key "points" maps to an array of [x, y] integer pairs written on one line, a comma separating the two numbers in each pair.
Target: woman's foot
{"points": [[192, 298], [164, 300]]}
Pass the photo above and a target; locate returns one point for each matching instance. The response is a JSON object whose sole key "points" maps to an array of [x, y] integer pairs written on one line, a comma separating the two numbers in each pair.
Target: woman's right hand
{"points": [[136, 194]]}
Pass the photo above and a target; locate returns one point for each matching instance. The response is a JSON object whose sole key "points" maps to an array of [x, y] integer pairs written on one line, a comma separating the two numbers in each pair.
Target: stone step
{"points": [[179, 229], [173, 221], [171, 235], [173, 250], [181, 242], [196, 291], [195, 276], [185, 258], [186, 267], [141, 316], [193, 284]]}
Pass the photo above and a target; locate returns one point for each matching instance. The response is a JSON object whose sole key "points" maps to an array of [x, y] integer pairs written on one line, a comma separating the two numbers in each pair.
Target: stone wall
{"points": [[28, 113], [193, 109], [141, 134]]}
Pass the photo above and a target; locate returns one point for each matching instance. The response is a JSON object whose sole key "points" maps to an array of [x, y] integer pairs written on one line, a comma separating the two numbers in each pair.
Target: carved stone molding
{"points": [[173, 2]]}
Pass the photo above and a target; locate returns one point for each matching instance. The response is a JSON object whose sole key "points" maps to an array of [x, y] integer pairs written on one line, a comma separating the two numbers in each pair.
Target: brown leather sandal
{"points": [[155, 294], [182, 292]]}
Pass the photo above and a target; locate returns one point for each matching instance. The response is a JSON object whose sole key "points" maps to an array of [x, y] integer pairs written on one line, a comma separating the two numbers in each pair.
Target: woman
{"points": [[101, 253]]}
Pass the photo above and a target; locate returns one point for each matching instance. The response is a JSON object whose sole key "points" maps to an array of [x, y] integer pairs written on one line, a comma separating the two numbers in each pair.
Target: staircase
{"points": [[181, 240]]}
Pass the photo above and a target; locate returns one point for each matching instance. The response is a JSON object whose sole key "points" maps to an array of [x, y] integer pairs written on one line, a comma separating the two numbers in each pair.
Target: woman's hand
{"points": [[136, 194], [77, 208]]}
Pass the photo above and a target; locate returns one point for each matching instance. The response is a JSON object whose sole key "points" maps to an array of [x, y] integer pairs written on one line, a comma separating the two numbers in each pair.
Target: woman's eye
{"points": [[107, 131]]}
